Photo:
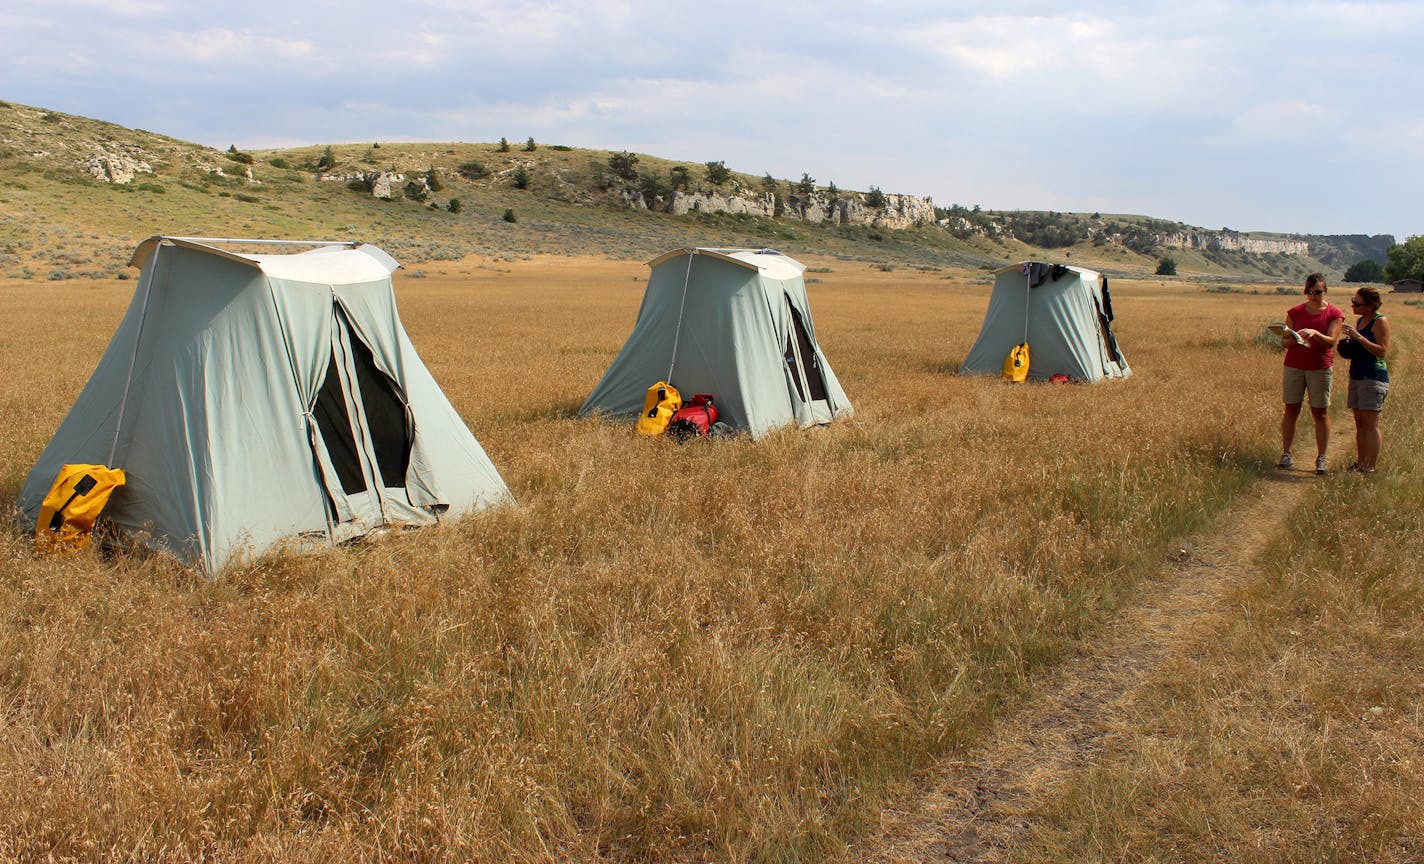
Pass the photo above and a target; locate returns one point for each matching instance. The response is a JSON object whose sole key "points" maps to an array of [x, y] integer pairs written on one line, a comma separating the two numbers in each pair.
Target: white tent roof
{"points": [[770, 262], [332, 262]]}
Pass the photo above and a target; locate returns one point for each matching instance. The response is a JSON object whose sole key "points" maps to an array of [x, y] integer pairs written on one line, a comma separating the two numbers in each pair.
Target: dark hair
{"points": [[1371, 296], [1314, 279]]}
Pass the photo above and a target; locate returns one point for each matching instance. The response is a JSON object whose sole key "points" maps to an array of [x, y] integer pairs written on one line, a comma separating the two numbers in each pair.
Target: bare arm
{"points": [[1326, 339], [1381, 331]]}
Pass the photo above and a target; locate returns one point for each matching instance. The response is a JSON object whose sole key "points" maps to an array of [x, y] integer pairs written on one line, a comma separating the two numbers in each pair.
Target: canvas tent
{"points": [[1064, 313], [254, 399], [735, 323]]}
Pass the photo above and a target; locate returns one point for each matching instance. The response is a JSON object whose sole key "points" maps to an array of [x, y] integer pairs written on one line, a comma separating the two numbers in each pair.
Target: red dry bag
{"points": [[693, 419]]}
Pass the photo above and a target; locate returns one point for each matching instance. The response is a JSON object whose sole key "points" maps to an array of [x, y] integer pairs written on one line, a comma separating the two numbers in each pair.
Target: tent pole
{"points": [[1028, 290], [148, 275], [677, 334]]}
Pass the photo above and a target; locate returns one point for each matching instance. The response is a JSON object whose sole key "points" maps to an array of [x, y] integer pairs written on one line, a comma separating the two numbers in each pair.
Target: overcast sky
{"points": [[1259, 116]]}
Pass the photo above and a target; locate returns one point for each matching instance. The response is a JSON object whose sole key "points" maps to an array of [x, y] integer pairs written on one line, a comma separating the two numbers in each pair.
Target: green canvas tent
{"points": [[735, 323], [256, 399], [1064, 313]]}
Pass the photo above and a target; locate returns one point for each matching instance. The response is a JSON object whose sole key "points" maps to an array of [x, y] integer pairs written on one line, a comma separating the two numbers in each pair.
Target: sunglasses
{"points": [[1316, 292], [1355, 301]]}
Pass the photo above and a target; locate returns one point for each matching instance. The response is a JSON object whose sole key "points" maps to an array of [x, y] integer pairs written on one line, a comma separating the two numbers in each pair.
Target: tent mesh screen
{"points": [[335, 426]]}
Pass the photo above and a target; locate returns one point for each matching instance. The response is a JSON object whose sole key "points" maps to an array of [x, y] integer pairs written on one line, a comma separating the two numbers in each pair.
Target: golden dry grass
{"points": [[728, 650], [1294, 729]]}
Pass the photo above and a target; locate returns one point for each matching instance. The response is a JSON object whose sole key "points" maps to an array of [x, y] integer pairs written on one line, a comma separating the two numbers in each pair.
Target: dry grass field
{"points": [[727, 650]]}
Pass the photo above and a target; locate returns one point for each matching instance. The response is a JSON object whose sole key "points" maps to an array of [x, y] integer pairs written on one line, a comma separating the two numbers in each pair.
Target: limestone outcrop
{"points": [[119, 168], [383, 184], [683, 203], [1231, 241], [899, 211]]}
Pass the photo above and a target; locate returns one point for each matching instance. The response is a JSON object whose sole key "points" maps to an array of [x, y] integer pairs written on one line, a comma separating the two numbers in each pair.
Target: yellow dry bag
{"points": [[1016, 364], [74, 502], [659, 405]]}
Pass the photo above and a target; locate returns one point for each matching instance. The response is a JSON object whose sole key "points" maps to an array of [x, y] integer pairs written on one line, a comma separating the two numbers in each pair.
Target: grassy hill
{"points": [[64, 222]]}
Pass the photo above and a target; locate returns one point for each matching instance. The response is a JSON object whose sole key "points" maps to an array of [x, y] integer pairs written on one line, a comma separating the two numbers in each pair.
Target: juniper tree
{"points": [[624, 165]]}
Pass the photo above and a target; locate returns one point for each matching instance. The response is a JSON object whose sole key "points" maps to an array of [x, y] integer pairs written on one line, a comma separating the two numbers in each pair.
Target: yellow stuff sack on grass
{"points": [[1016, 364], [73, 504], [659, 405]]}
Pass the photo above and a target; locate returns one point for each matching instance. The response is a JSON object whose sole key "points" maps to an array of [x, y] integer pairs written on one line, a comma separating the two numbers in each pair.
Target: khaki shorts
{"points": [[1367, 394], [1297, 382]]}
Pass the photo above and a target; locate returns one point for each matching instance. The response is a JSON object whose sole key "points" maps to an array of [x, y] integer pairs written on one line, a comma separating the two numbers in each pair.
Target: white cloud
{"points": [[221, 45], [1282, 121], [1148, 106]]}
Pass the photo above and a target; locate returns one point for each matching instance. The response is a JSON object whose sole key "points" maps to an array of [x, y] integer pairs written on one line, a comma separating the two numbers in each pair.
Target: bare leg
{"points": [[1322, 429], [1369, 438], [1360, 434], [1288, 419]]}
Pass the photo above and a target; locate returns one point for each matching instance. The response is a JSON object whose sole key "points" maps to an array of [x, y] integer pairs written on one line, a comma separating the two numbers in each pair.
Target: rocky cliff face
{"points": [[899, 211], [1223, 241], [386, 185], [115, 167], [683, 203]]}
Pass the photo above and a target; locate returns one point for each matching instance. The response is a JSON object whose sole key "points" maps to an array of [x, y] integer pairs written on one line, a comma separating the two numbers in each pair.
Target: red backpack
{"points": [[693, 419]]}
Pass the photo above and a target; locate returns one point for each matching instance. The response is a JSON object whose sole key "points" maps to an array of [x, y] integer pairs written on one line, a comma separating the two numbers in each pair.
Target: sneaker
{"points": [[1321, 465], [1286, 461]]}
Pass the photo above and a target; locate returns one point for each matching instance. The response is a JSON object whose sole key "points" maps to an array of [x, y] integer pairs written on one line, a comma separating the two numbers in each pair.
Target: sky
{"points": [[1298, 117]]}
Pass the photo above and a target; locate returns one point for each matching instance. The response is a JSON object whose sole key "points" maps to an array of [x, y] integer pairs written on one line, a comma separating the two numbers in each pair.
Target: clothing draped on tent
{"points": [[1063, 313]]}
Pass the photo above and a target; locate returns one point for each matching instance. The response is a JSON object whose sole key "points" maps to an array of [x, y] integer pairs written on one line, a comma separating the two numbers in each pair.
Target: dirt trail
{"points": [[974, 809]]}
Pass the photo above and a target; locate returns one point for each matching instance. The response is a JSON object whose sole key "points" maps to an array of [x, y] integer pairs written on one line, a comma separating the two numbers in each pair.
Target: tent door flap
{"points": [[804, 367], [364, 433]]}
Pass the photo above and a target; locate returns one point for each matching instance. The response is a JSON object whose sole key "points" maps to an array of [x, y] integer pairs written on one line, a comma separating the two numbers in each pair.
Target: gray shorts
{"points": [[1367, 394], [1297, 382]]}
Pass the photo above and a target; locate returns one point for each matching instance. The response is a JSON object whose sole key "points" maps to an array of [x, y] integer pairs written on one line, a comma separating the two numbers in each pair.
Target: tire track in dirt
{"points": [[974, 808]]}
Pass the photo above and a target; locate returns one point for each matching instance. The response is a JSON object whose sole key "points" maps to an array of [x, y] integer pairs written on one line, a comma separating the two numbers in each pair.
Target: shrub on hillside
{"points": [[624, 166], [472, 170], [652, 187], [875, 198], [1167, 267], [522, 178], [238, 156], [509, 215], [717, 173]]}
